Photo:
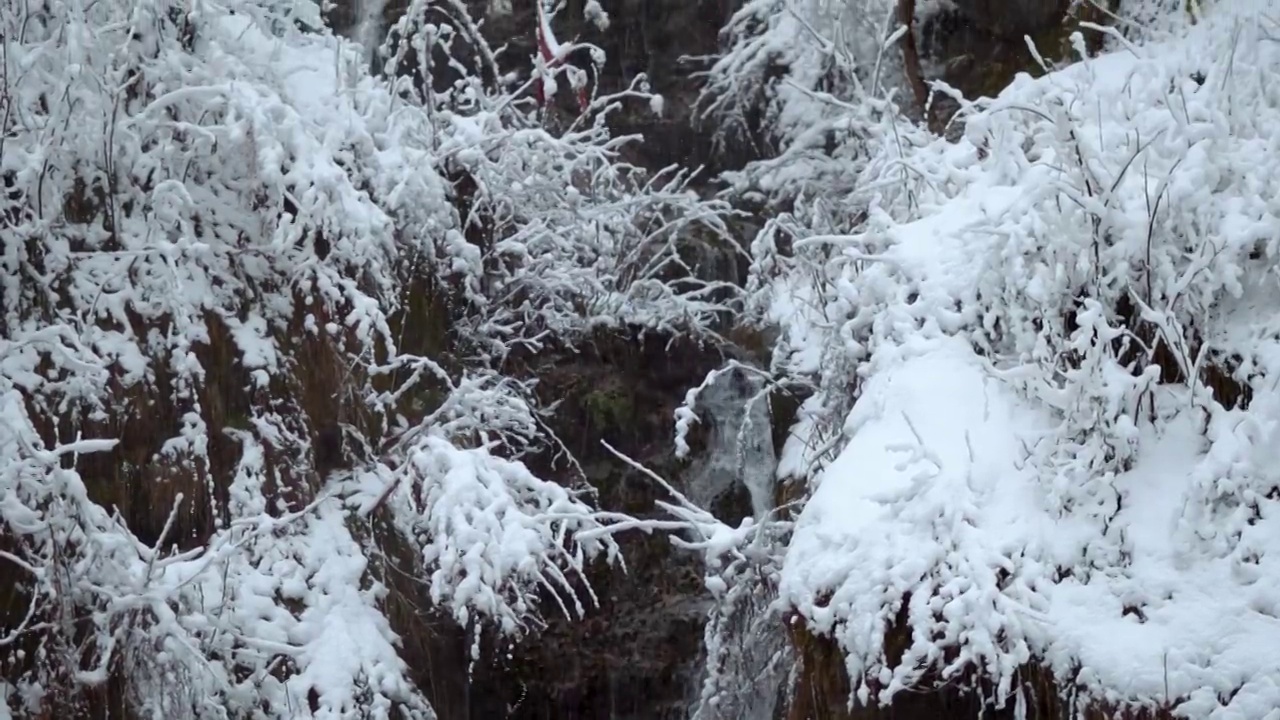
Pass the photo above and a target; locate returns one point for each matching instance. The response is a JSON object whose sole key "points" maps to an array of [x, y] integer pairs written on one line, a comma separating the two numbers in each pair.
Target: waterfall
{"points": [[370, 27], [740, 446], [746, 657]]}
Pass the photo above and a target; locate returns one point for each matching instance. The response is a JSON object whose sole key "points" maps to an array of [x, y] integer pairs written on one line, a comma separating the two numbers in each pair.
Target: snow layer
{"points": [[933, 504], [1017, 471]]}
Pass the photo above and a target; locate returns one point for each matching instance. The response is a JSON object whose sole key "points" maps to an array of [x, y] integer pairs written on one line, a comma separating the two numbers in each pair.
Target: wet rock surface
{"points": [[639, 654]]}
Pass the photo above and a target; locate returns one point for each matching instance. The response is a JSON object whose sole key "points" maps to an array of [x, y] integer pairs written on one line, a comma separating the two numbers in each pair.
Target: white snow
{"points": [[930, 498], [594, 13], [1025, 485], [937, 516], [933, 497]]}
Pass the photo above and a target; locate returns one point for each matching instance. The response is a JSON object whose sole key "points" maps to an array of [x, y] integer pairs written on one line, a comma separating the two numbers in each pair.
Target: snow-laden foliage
{"points": [[802, 80], [220, 235], [1049, 353], [742, 638]]}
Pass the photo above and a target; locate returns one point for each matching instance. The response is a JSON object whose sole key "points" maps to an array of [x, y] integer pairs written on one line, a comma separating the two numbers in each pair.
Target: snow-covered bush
{"points": [[220, 236], [804, 83], [1048, 350]]}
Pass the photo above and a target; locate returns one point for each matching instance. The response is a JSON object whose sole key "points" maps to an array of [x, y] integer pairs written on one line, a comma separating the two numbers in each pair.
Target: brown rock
{"points": [[1014, 18]]}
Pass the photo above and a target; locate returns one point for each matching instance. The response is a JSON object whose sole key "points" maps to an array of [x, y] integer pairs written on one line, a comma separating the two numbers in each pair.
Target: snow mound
{"points": [[1061, 337], [934, 506]]}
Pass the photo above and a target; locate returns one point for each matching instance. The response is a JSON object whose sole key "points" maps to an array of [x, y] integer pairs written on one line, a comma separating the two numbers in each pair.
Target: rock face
{"points": [[979, 46], [639, 655], [641, 36], [1012, 19]]}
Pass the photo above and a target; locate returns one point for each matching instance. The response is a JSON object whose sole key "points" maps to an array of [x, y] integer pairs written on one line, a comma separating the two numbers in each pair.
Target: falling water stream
{"points": [[740, 447], [370, 26]]}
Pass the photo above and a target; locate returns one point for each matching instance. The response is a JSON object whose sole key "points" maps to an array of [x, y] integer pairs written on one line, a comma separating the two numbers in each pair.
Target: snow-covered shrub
{"points": [[815, 86], [220, 235], [804, 83], [741, 637], [1057, 339]]}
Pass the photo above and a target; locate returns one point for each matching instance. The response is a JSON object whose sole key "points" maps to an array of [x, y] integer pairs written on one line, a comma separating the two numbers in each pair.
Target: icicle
{"points": [[370, 24]]}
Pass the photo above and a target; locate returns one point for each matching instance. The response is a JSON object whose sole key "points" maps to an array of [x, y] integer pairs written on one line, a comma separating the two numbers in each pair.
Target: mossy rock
{"points": [[609, 406], [980, 63]]}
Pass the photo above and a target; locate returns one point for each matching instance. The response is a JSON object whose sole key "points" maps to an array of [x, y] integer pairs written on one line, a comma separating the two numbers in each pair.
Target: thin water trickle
{"points": [[370, 27], [740, 449]]}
